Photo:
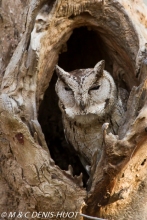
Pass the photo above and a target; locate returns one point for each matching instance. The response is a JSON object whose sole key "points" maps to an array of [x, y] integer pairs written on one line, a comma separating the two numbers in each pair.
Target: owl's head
{"points": [[86, 92]]}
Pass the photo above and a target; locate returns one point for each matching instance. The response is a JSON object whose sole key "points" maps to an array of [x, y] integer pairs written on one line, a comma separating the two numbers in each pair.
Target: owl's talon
{"points": [[88, 168], [70, 170], [105, 126]]}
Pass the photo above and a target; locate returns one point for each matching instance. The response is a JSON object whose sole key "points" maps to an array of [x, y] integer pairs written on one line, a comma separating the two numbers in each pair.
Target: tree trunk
{"points": [[33, 35]]}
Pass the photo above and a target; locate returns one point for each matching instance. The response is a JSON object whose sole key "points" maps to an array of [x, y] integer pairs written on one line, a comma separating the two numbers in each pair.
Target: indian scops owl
{"points": [[88, 98]]}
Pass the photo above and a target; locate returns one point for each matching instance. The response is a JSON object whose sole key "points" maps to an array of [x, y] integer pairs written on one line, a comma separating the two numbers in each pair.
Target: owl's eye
{"points": [[95, 87], [67, 88]]}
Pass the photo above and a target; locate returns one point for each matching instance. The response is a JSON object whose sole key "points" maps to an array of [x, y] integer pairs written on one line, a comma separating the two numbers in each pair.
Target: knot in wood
{"points": [[20, 138]]}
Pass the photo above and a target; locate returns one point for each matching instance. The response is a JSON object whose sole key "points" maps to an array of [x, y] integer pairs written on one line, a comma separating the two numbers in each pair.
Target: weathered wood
{"points": [[117, 187]]}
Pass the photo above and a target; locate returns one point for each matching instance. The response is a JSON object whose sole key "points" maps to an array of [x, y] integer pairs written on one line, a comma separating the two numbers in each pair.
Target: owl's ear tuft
{"points": [[60, 72], [99, 68]]}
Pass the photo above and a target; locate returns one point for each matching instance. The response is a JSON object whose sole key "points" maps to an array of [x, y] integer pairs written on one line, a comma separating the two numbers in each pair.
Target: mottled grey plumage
{"points": [[88, 98]]}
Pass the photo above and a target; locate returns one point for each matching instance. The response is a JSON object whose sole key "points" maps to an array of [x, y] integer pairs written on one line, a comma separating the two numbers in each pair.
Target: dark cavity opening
{"points": [[83, 50]]}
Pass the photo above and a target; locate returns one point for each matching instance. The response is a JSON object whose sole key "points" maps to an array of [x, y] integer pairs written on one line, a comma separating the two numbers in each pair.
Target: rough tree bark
{"points": [[35, 32]]}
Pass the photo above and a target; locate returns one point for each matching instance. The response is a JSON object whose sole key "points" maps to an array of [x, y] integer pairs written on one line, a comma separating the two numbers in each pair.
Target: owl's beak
{"points": [[82, 105]]}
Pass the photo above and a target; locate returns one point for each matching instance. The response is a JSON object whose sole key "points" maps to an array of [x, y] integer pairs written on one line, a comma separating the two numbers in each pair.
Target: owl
{"points": [[88, 98]]}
